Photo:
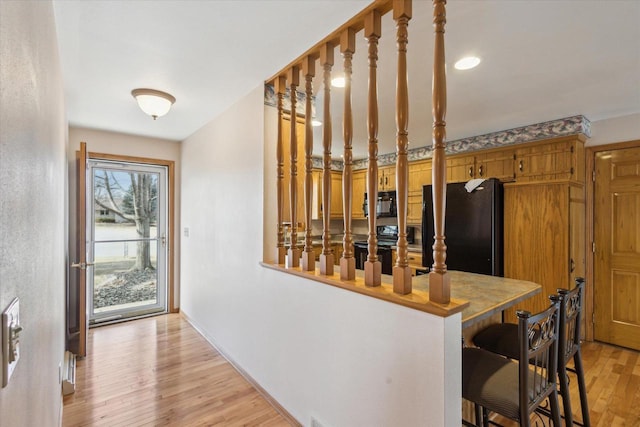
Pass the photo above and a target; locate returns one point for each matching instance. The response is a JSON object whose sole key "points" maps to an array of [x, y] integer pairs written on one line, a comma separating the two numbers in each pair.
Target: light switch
{"points": [[186, 232], [11, 330]]}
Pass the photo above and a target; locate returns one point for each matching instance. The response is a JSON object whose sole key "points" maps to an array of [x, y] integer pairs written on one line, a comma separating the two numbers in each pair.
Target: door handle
{"points": [[81, 265]]}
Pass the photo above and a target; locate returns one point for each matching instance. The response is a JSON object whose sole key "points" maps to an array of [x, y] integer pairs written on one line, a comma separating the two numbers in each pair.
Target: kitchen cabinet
{"points": [[485, 164], [387, 178], [336, 195], [460, 168], [495, 164], [357, 194], [420, 174], [543, 238], [559, 159]]}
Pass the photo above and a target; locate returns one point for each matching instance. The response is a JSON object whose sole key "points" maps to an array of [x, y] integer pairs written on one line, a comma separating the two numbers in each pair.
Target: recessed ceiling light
{"points": [[316, 123], [467, 63], [338, 81]]}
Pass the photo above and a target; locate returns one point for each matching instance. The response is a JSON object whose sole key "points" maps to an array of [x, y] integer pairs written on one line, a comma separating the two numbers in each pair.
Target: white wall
{"points": [[105, 142], [32, 208], [320, 351], [617, 129]]}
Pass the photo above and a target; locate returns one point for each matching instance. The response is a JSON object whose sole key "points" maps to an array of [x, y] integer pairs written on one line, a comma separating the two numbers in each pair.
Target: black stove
{"points": [[387, 238]]}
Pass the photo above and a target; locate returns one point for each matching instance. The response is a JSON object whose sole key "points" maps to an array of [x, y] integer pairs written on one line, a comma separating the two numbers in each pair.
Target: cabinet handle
{"points": [[480, 170], [471, 171], [386, 180], [573, 265], [520, 166]]}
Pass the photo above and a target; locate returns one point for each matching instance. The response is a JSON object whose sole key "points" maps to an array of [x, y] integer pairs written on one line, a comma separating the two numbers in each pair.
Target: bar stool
{"points": [[503, 339], [512, 389]]}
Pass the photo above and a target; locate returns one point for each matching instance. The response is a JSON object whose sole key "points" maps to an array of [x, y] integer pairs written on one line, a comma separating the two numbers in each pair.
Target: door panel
{"points": [[127, 231], [617, 241]]}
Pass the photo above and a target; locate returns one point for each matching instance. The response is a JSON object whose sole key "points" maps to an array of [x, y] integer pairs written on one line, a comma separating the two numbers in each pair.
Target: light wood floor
{"points": [[612, 375], [160, 371]]}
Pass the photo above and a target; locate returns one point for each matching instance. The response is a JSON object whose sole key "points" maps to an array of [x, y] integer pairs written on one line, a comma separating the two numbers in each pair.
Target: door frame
{"points": [[171, 247], [589, 300]]}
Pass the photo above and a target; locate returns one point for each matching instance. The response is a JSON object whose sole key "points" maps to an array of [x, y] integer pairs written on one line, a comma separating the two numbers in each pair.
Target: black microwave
{"points": [[386, 206]]}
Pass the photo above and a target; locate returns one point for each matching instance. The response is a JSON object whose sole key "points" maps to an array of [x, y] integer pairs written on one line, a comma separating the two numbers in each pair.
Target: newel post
{"points": [[327, 256], [402, 271], [372, 32], [439, 281], [280, 88], [347, 262], [308, 256]]}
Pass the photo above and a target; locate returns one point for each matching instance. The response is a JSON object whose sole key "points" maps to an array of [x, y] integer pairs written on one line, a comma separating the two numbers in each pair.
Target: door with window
{"points": [[126, 240]]}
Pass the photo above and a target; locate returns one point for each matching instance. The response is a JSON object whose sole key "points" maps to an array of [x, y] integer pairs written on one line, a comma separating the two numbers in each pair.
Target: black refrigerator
{"points": [[473, 227]]}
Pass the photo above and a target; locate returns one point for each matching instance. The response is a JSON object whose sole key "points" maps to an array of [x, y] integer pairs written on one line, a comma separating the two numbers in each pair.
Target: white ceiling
{"points": [[541, 60]]}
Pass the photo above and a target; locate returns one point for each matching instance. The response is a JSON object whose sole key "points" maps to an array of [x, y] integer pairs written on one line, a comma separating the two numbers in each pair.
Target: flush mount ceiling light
{"points": [[316, 123], [467, 63], [153, 102], [338, 81]]}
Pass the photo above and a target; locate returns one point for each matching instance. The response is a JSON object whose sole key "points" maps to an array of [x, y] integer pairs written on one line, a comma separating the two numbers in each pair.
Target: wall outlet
{"points": [[10, 340], [186, 231]]}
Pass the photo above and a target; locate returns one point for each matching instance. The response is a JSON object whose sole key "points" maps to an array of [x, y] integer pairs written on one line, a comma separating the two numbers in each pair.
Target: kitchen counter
{"points": [[487, 295]]}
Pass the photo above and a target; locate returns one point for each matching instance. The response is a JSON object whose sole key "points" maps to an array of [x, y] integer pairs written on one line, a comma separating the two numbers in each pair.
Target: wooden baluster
{"points": [[280, 87], [372, 267], [439, 281], [326, 257], [293, 255], [402, 271], [308, 256], [347, 262]]}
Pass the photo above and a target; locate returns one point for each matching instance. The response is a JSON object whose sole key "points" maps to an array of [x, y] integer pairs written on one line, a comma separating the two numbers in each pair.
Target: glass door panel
{"points": [[128, 240]]}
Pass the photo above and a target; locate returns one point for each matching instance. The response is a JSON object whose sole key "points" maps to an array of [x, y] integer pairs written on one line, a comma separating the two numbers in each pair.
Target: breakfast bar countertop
{"points": [[487, 295]]}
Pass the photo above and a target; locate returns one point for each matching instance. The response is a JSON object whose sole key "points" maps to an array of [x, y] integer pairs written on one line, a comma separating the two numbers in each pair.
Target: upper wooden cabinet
{"points": [[387, 178], [460, 168], [560, 159], [496, 164], [357, 195]]}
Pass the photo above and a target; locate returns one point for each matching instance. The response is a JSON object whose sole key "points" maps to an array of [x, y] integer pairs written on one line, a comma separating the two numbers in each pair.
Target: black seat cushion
{"points": [[501, 338], [490, 381]]}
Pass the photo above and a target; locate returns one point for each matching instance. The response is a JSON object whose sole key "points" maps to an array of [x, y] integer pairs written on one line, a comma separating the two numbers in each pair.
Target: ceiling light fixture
{"points": [[316, 123], [153, 102], [338, 81], [467, 63]]}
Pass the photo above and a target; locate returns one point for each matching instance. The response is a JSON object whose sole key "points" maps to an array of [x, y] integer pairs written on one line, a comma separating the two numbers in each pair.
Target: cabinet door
{"points": [[336, 194], [357, 196], [536, 240], [547, 162], [387, 178], [460, 169], [419, 176], [497, 164]]}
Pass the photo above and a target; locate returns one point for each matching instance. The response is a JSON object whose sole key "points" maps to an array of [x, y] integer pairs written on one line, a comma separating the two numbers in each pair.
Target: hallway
{"points": [[160, 371]]}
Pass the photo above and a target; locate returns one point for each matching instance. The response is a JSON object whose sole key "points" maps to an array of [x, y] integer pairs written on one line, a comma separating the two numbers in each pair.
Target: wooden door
{"points": [[78, 319], [617, 247]]}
